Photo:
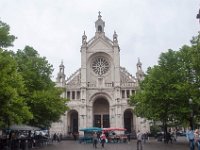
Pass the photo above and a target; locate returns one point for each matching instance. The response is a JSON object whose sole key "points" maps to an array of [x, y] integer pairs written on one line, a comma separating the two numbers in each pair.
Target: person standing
{"points": [[95, 140], [190, 137], [139, 140]]}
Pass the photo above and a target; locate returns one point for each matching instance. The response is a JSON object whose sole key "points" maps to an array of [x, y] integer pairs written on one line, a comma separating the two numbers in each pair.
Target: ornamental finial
{"points": [[99, 15]]}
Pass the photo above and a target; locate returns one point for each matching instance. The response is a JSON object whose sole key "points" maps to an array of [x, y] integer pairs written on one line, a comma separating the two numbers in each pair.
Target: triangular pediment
{"points": [[125, 76], [74, 79], [100, 43]]}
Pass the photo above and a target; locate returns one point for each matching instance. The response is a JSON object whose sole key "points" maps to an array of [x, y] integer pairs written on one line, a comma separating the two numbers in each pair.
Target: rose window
{"points": [[100, 65]]}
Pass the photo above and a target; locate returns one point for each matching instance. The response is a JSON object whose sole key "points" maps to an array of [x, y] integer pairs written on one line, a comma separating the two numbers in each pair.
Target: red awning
{"points": [[114, 129]]}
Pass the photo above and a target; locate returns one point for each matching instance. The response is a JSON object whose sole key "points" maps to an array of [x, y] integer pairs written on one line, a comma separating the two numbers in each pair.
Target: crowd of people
{"points": [[104, 137], [19, 139], [23, 139]]}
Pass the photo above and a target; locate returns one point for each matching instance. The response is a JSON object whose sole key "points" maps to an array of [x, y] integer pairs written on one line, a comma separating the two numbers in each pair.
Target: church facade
{"points": [[99, 91]]}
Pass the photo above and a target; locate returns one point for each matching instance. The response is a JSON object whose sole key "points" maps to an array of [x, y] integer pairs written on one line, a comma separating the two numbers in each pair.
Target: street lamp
{"points": [[191, 115]]}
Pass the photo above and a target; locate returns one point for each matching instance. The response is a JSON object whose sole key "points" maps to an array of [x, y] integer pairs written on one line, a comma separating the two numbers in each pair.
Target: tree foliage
{"points": [[43, 98], [165, 92], [6, 39], [27, 93], [13, 108]]}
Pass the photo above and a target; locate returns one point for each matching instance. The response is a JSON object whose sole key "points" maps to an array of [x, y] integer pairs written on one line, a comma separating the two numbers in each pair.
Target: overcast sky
{"points": [[145, 28]]}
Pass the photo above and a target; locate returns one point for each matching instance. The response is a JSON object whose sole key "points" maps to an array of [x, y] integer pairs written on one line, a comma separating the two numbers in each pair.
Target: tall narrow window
{"points": [[123, 94], [133, 92], [78, 94], [73, 94], [127, 93], [68, 94]]}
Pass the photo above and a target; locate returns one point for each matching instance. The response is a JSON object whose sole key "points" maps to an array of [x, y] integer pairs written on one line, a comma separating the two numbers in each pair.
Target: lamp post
{"points": [[191, 115]]}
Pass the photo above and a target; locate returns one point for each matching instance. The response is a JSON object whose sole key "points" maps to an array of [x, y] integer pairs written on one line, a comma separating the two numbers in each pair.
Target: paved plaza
{"points": [[151, 145]]}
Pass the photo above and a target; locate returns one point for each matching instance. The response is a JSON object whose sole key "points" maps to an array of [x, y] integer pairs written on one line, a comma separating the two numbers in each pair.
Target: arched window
{"points": [[99, 29]]}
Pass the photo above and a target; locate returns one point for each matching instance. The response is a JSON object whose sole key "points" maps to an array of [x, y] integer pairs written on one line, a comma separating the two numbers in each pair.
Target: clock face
{"points": [[100, 65]]}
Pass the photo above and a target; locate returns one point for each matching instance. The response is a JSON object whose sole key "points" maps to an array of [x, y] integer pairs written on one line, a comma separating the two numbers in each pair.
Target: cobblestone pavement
{"points": [[151, 145]]}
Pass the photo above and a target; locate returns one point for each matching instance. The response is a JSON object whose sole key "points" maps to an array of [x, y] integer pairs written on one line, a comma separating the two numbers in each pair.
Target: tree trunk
{"points": [[165, 130]]}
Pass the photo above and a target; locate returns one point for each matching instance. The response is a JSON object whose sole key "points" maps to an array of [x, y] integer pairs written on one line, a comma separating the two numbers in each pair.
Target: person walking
{"points": [[129, 137], [95, 140], [190, 137], [139, 140], [74, 135], [168, 137], [103, 139]]}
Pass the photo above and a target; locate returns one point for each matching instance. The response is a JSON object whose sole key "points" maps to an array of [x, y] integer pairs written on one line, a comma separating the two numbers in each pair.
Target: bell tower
{"points": [[139, 73], [61, 74], [99, 25]]}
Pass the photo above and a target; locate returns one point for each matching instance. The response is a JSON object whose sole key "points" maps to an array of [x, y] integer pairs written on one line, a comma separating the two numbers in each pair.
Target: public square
{"points": [[181, 144]]}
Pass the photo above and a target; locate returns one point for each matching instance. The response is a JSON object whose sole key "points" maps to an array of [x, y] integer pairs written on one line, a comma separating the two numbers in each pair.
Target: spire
{"points": [[84, 39], [115, 41], [99, 24], [139, 73], [61, 73], [61, 65], [139, 64]]}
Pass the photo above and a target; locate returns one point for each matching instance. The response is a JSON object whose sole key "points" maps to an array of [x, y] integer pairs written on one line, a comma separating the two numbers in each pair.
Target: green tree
{"points": [[195, 63], [158, 97], [43, 98], [13, 108], [6, 39], [165, 92], [189, 57]]}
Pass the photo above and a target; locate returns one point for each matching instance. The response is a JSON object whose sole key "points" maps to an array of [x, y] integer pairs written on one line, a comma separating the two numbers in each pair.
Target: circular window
{"points": [[100, 65]]}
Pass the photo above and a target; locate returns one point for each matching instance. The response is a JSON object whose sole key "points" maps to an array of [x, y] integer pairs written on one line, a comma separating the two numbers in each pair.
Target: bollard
{"points": [[18, 144], [26, 145]]}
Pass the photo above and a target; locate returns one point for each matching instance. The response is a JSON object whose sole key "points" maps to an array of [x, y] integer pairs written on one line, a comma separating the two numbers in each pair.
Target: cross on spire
{"points": [[99, 15]]}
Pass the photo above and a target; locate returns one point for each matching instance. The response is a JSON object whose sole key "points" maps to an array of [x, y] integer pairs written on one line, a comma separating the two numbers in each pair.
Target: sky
{"points": [[145, 28]]}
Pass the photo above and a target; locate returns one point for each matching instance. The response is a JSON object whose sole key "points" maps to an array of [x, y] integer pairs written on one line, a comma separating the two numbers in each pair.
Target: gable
{"points": [[125, 76], [74, 80], [100, 44]]}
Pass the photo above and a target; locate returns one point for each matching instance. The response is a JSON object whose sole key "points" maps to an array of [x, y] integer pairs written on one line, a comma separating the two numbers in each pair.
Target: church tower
{"points": [[99, 25]]}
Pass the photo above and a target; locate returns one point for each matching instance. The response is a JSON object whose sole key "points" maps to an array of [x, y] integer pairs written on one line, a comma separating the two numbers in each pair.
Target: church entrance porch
{"points": [[101, 113]]}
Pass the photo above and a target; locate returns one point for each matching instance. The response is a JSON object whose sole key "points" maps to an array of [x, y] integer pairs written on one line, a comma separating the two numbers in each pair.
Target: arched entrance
{"points": [[73, 121], [128, 120], [101, 113]]}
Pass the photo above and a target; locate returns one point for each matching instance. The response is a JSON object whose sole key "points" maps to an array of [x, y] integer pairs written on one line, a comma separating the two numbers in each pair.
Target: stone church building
{"points": [[99, 91]]}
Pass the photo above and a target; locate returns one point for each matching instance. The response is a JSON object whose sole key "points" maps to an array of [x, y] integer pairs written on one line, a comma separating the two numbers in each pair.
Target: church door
{"points": [[128, 120], [73, 122], [101, 113]]}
